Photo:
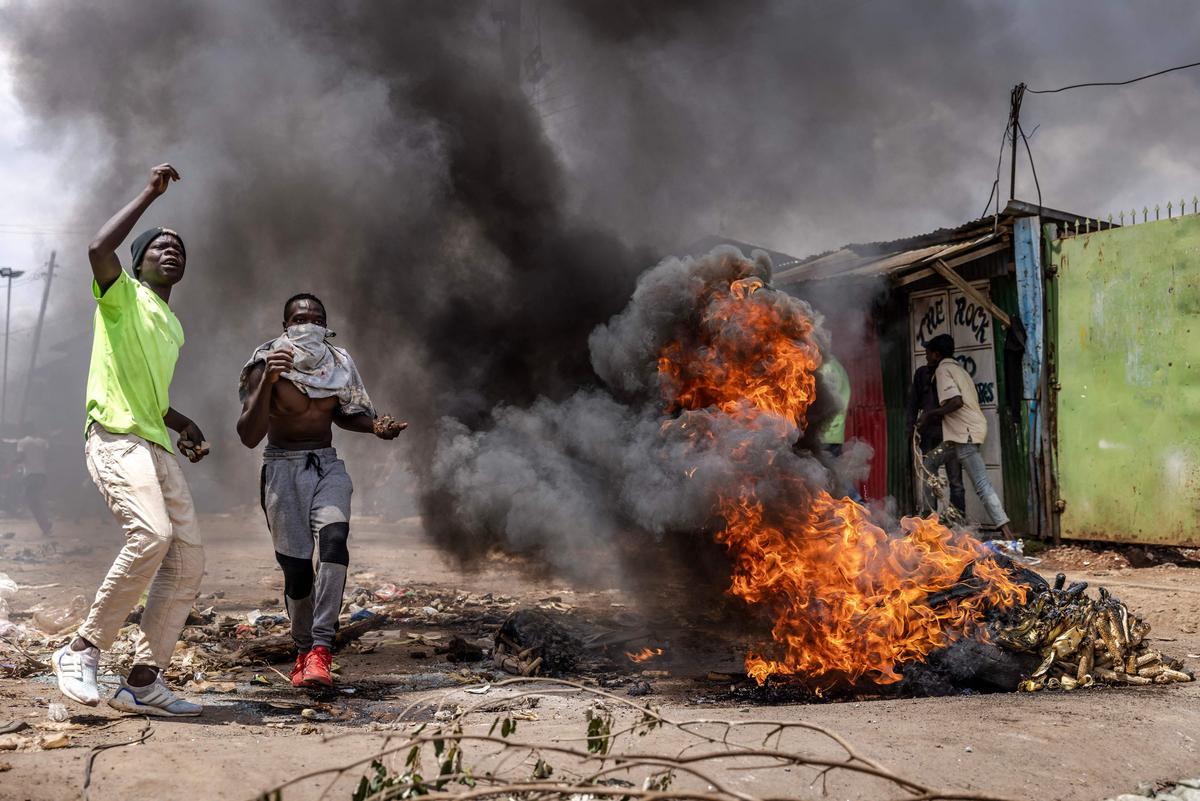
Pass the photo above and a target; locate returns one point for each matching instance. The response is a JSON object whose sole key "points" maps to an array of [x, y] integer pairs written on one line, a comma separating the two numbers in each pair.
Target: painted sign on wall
{"points": [[949, 311]]}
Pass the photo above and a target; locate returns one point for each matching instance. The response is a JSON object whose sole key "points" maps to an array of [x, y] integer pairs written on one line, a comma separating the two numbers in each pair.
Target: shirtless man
{"points": [[293, 390]]}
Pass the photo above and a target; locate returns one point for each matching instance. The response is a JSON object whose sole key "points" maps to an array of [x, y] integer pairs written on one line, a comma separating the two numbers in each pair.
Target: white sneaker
{"points": [[76, 672], [153, 699]]}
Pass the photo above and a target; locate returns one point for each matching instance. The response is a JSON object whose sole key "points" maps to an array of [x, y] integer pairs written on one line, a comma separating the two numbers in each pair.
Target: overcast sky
{"points": [[34, 213], [814, 125], [799, 126]]}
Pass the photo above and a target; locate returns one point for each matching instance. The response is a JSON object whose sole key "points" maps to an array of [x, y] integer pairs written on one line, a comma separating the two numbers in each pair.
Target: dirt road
{"points": [[1081, 746]]}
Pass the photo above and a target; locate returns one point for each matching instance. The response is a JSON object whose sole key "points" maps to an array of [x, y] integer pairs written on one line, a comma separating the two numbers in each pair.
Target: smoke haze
{"points": [[468, 238]]}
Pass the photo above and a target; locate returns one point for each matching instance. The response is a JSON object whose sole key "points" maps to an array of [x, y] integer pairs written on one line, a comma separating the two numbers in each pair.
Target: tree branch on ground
{"points": [[503, 765]]}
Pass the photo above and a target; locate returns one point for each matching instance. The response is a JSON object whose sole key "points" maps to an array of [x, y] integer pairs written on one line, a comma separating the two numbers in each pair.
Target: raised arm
{"points": [[255, 418], [102, 253]]}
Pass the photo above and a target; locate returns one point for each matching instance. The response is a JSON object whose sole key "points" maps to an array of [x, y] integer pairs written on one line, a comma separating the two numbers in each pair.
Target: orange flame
{"points": [[848, 599], [644, 654]]}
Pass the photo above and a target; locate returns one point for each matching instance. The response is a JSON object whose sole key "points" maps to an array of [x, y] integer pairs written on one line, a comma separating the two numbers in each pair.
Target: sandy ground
{"points": [[1052, 745]]}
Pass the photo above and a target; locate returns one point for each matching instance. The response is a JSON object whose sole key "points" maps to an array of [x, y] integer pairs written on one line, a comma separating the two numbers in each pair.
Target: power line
{"points": [[999, 160], [1113, 83]]}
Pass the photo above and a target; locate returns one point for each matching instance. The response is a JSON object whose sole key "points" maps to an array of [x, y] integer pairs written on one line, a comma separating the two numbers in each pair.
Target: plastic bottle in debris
{"points": [[53, 621], [8, 587], [1007, 547], [1013, 549]]}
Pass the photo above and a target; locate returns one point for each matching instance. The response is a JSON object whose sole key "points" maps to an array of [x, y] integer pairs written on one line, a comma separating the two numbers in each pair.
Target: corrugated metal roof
{"points": [[889, 257], [846, 263]]}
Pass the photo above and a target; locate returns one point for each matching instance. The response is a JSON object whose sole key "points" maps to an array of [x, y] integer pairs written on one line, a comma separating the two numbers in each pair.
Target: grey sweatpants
{"points": [[306, 498]]}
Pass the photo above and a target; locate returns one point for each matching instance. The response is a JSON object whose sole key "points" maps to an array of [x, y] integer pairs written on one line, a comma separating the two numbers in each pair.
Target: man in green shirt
{"points": [[833, 436], [134, 350]]}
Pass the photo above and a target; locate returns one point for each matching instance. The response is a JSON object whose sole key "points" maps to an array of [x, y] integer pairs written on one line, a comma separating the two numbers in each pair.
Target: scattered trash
{"points": [[13, 726], [1013, 549], [211, 686], [289, 705], [8, 587], [361, 614], [388, 592], [484, 690], [200, 618], [640, 688], [55, 621], [55, 740], [260, 679], [57, 713], [459, 650], [417, 638], [308, 713]]}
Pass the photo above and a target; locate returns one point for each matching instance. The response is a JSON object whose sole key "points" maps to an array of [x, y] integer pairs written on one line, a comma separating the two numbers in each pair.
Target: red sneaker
{"points": [[316, 668], [298, 670]]}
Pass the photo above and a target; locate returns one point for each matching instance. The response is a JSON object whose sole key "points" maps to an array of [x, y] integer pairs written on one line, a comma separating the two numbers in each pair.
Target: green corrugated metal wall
{"points": [[1013, 438], [1128, 361], [1052, 356]]}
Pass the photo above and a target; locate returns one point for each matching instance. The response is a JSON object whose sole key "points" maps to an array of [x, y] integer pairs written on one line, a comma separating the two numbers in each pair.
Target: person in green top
{"points": [[129, 456], [833, 436]]}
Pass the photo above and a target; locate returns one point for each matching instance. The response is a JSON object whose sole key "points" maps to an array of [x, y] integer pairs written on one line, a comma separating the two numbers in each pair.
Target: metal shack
{"points": [[1123, 367], [984, 284]]}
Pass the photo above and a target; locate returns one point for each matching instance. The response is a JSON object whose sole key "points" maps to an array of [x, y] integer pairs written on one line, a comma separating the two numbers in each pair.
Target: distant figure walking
{"points": [[32, 451], [833, 436]]}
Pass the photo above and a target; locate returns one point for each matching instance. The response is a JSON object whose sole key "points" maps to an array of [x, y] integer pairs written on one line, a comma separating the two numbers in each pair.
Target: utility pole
{"points": [[37, 336], [1014, 119], [10, 274]]}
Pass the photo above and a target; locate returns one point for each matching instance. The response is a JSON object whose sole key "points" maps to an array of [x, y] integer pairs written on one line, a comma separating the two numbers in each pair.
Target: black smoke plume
{"points": [[377, 154]]}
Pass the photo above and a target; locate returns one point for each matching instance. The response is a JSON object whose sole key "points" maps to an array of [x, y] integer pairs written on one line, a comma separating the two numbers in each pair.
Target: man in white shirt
{"points": [[964, 427], [31, 454]]}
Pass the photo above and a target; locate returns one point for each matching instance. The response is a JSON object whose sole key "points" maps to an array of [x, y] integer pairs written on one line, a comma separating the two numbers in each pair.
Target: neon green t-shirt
{"points": [[134, 350], [838, 382]]}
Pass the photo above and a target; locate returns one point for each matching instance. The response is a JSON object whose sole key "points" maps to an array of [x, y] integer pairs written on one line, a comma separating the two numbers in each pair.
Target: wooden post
{"points": [[1018, 93], [957, 280]]}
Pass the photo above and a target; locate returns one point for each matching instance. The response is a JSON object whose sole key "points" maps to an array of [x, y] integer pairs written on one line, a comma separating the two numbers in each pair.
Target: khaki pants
{"points": [[145, 489]]}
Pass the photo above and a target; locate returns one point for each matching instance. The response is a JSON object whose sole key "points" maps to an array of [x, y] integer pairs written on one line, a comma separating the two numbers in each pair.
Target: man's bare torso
{"points": [[298, 422]]}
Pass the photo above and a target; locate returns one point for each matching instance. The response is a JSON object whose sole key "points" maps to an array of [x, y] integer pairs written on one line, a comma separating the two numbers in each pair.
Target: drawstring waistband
{"points": [[312, 459]]}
